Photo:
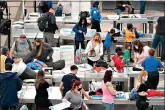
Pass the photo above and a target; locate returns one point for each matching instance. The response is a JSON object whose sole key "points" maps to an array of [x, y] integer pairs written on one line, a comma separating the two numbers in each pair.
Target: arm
{"points": [[101, 49], [160, 66], [75, 29], [85, 94], [19, 84], [111, 88], [85, 106], [61, 86], [88, 46], [46, 84], [12, 50]]}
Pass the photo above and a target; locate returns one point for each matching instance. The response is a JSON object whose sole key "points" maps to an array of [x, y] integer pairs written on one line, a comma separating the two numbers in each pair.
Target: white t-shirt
{"points": [[98, 49], [19, 67], [143, 55]]}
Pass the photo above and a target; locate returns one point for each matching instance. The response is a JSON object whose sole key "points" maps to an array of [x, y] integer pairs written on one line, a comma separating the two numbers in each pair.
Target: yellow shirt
{"points": [[2, 65], [129, 35]]}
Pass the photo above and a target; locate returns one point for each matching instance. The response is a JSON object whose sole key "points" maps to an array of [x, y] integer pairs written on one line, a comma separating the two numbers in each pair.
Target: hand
{"points": [[64, 100], [80, 31], [89, 97], [123, 5], [48, 57], [86, 108]]}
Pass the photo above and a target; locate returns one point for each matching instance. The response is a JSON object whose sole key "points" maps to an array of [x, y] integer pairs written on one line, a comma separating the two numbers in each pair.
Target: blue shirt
{"points": [[108, 41], [151, 64], [67, 82], [95, 14], [79, 36]]}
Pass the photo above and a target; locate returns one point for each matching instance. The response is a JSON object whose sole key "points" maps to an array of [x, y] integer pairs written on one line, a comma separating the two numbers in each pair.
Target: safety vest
{"points": [[2, 61]]}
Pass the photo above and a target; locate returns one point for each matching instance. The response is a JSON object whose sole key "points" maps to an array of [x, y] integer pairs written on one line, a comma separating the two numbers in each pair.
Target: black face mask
{"points": [[79, 89]]}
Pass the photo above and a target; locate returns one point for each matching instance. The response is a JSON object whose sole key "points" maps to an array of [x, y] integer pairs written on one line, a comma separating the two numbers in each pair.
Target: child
{"points": [[107, 43], [129, 35], [118, 61], [41, 99], [127, 54]]}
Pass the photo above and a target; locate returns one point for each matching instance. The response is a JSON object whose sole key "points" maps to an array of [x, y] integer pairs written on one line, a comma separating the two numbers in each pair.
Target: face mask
{"points": [[136, 47], [79, 89], [82, 22]]}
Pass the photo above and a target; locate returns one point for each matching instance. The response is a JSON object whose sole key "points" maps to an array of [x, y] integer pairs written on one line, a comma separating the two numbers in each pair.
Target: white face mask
{"points": [[145, 78]]}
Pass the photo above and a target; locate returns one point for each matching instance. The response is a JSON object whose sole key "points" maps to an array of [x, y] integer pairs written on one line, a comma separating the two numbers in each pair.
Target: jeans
{"points": [[119, 11], [159, 38], [49, 38], [108, 53], [142, 6], [79, 42], [109, 106]]}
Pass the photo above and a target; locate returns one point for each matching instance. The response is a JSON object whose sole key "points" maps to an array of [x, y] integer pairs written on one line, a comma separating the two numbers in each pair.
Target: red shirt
{"points": [[118, 63]]}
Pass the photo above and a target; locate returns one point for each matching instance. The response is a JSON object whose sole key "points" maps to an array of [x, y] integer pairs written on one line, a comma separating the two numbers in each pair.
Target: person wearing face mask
{"points": [[66, 82], [94, 49], [21, 48], [95, 17], [74, 96], [140, 52], [80, 29], [152, 65]]}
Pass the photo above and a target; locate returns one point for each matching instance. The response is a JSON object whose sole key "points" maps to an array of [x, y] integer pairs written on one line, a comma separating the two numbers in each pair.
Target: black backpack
{"points": [[84, 14], [43, 22]]}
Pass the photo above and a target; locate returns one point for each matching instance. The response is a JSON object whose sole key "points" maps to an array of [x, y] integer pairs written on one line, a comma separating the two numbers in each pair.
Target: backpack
{"points": [[133, 95], [59, 10], [84, 14], [43, 22], [28, 41]]}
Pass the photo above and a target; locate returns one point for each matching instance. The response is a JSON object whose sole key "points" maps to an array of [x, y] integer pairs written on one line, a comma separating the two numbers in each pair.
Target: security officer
{"points": [[95, 17]]}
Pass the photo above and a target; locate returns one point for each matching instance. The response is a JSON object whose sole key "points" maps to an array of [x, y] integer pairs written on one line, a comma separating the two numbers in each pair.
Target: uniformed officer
{"points": [[95, 17]]}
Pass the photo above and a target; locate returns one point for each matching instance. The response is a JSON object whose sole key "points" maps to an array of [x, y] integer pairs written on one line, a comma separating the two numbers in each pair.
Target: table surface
{"points": [[27, 95]]}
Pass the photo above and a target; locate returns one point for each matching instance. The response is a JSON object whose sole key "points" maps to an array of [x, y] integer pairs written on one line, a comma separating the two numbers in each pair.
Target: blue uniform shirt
{"points": [[108, 41], [95, 14], [151, 64]]}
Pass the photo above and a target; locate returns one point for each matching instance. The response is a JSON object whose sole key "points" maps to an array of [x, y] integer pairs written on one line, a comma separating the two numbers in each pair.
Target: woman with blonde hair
{"points": [[144, 92], [94, 49], [41, 99]]}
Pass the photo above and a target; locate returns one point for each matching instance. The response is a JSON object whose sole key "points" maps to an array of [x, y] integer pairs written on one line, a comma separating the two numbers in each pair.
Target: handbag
{"points": [[92, 53], [101, 63]]}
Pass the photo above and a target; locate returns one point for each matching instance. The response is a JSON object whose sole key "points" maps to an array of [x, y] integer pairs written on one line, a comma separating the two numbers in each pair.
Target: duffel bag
{"points": [[101, 63], [59, 65]]}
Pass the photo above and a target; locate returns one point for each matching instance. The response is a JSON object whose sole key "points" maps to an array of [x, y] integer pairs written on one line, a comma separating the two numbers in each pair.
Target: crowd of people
{"points": [[21, 61]]}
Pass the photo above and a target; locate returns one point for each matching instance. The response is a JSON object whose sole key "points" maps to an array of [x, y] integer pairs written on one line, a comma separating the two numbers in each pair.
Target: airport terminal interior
{"points": [[82, 55]]}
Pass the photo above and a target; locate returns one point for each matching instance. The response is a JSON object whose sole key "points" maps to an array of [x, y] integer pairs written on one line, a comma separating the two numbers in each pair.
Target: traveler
{"points": [[44, 6], [160, 36], [5, 59], [129, 32], [94, 49], [108, 91], [66, 7], [142, 6], [50, 29], [66, 82], [108, 42], [21, 48], [74, 96], [41, 99], [140, 52], [80, 29], [10, 84], [152, 65]]}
